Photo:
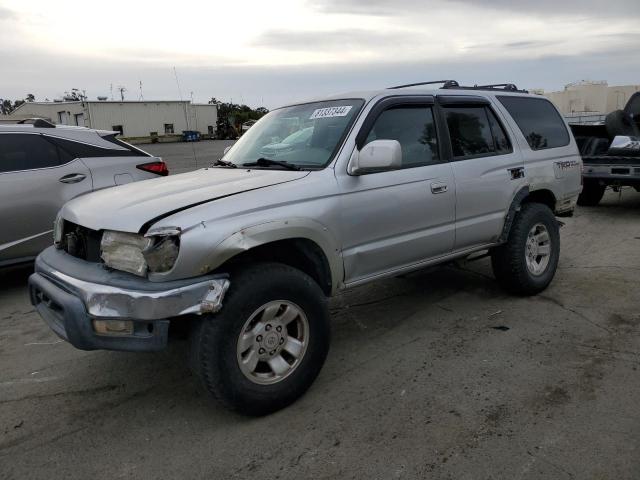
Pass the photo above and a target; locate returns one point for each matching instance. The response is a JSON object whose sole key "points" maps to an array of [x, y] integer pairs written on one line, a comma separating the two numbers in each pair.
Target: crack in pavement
{"points": [[88, 391], [557, 302]]}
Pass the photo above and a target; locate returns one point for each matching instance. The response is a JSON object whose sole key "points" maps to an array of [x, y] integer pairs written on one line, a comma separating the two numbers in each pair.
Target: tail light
{"points": [[159, 168]]}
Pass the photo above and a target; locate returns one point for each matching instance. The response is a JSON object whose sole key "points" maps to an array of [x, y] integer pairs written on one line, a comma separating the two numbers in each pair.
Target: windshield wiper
{"points": [[224, 163], [267, 162]]}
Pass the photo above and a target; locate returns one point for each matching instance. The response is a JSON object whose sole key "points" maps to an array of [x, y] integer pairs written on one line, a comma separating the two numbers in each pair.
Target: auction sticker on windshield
{"points": [[330, 112]]}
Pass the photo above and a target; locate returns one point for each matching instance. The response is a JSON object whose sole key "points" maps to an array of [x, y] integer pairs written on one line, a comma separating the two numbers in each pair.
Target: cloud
{"points": [[523, 44], [331, 40], [6, 14], [275, 86], [526, 43], [304, 51], [550, 8], [544, 8]]}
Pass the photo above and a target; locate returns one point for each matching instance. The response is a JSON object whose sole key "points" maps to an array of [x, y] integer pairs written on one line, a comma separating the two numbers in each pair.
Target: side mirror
{"points": [[376, 156], [226, 150]]}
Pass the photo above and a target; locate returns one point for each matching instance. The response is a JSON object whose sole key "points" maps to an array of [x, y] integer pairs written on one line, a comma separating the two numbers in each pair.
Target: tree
{"points": [[5, 106], [30, 97], [237, 114]]}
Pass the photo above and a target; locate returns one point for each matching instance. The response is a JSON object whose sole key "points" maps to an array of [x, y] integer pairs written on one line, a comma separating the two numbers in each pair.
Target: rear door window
{"points": [[26, 152], [469, 131], [538, 120]]}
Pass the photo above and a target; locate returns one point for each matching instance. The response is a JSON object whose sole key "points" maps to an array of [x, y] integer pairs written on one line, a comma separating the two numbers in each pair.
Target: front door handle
{"points": [[438, 187], [73, 178]]}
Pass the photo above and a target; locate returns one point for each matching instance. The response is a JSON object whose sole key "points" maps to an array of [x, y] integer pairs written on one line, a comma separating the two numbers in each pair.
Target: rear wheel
{"points": [[268, 343], [592, 193], [527, 263]]}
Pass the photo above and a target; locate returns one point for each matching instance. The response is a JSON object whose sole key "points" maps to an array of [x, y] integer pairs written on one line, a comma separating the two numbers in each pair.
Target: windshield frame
{"points": [[359, 104]]}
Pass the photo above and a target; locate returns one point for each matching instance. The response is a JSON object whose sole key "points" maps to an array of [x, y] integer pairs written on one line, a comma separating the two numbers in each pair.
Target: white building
{"points": [[591, 98], [132, 118]]}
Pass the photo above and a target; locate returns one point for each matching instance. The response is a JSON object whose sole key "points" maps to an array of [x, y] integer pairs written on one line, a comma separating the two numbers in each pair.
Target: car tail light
{"points": [[159, 168]]}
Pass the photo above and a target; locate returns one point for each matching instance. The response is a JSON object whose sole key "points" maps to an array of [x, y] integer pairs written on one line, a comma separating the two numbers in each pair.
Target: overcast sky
{"points": [[275, 51]]}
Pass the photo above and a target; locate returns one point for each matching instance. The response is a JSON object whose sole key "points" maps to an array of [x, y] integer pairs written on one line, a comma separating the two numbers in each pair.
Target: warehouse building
{"points": [[133, 119], [587, 98]]}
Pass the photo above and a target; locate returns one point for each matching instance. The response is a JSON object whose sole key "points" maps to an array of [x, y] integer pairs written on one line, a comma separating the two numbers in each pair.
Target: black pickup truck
{"points": [[610, 152]]}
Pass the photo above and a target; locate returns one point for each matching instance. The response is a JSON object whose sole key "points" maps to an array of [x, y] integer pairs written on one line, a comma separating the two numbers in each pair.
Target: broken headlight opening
{"points": [[154, 252], [162, 254]]}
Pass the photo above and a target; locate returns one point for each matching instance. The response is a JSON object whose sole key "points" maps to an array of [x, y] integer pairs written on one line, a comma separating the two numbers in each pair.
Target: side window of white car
{"points": [[414, 128], [25, 151]]}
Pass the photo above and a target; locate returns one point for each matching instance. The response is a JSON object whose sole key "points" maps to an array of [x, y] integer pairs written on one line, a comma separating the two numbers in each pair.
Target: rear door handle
{"points": [[439, 187], [73, 178]]}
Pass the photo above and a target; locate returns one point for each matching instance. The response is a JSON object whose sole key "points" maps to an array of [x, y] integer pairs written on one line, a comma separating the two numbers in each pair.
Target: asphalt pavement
{"points": [[184, 157], [438, 374]]}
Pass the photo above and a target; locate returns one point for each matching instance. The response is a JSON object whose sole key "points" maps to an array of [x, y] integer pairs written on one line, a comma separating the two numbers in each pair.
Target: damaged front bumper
{"points": [[77, 298]]}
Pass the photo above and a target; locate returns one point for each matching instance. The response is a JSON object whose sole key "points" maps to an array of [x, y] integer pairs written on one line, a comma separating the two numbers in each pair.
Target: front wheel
{"points": [[527, 263], [267, 345]]}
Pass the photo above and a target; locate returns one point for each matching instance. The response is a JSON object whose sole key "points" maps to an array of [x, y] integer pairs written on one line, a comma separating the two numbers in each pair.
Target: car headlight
{"points": [[58, 230], [123, 251], [156, 251]]}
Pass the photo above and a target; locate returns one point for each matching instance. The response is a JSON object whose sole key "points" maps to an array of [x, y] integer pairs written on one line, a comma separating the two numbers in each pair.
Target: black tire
{"points": [[214, 339], [509, 260], [592, 193]]}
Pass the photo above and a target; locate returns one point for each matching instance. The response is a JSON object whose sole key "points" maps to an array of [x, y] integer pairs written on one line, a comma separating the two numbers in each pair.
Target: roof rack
{"points": [[447, 84], [37, 123], [507, 87]]}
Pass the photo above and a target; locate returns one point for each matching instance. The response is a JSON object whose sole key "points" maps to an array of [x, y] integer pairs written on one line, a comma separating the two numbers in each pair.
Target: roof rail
{"points": [[37, 123], [507, 87], [446, 84]]}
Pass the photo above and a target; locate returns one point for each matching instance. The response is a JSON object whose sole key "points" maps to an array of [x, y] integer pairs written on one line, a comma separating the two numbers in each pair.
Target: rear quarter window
{"points": [[84, 150], [538, 120]]}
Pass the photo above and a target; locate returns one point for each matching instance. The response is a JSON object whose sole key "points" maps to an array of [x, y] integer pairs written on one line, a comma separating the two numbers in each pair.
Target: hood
{"points": [[127, 208]]}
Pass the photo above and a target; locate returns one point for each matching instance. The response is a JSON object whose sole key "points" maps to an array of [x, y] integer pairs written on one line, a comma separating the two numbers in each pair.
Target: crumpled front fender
{"points": [[273, 231]]}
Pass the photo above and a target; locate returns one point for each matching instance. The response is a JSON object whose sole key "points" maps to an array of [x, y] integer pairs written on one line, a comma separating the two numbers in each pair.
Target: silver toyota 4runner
{"points": [[247, 251]]}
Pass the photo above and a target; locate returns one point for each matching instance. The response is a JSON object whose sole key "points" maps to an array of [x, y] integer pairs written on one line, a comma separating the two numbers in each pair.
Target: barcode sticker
{"points": [[330, 112]]}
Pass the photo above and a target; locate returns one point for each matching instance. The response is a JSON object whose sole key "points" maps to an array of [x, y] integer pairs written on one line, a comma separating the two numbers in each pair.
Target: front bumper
{"points": [[70, 301]]}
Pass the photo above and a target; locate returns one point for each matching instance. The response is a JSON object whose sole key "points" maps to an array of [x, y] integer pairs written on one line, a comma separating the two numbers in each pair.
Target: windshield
{"points": [[309, 133], [299, 136]]}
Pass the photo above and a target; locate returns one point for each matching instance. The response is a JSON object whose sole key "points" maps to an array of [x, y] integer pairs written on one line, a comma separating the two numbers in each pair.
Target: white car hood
{"points": [[127, 208]]}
